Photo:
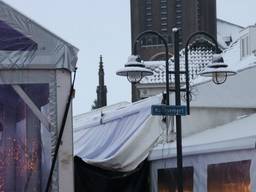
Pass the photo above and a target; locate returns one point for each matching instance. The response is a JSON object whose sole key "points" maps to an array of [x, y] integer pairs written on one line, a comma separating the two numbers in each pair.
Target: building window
{"points": [[163, 12], [148, 15], [226, 177], [164, 29], [149, 25], [167, 179]]}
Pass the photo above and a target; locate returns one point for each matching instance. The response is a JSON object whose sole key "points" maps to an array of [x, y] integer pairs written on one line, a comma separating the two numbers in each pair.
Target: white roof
{"points": [[196, 64], [239, 134], [196, 61], [236, 92], [227, 29], [117, 139], [25, 44]]}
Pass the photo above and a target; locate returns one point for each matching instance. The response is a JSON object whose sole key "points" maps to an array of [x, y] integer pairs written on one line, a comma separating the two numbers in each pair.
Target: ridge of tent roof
{"points": [[35, 23]]}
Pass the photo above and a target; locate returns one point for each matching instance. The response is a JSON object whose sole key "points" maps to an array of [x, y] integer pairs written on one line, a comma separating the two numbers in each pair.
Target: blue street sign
{"points": [[168, 110]]}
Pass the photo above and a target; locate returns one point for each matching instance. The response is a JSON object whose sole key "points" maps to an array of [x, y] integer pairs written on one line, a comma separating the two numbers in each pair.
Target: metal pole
{"points": [[134, 92], [178, 117]]}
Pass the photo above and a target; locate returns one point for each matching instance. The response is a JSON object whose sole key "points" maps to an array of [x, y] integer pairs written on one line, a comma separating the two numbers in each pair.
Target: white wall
{"points": [[225, 29], [204, 118]]}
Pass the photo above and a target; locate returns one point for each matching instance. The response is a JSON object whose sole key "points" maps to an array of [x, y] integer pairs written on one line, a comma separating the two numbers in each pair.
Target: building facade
{"points": [[162, 15]]}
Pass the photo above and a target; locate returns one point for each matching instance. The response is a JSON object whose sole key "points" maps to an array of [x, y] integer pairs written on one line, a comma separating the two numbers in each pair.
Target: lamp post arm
{"points": [[216, 50], [214, 41], [134, 52]]}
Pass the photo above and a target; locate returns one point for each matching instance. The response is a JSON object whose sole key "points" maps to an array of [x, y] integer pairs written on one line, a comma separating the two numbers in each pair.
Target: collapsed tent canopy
{"points": [[117, 139]]}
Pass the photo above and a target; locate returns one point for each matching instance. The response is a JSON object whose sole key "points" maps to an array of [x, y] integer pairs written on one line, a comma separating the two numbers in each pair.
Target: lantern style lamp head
{"points": [[218, 70], [134, 69]]}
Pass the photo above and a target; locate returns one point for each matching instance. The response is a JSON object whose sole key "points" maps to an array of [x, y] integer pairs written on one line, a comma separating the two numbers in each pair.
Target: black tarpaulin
{"points": [[93, 179]]}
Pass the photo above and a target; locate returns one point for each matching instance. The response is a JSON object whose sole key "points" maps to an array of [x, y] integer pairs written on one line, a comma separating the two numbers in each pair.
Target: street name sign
{"points": [[168, 110]]}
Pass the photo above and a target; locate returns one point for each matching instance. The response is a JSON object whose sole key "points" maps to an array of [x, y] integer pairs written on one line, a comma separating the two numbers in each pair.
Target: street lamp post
{"points": [[178, 103], [176, 72], [134, 71]]}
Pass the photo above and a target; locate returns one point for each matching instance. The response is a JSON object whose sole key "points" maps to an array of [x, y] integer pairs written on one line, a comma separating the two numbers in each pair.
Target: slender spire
{"points": [[101, 88]]}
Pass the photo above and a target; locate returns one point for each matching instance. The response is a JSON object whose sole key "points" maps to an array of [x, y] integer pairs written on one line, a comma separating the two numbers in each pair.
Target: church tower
{"points": [[162, 15], [101, 88]]}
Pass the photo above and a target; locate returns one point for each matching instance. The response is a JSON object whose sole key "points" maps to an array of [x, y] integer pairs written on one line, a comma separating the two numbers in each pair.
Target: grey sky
{"points": [[103, 27]]}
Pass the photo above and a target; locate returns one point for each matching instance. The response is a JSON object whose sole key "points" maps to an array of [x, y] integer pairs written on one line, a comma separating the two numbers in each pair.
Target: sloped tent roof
{"points": [[237, 135], [25, 44], [118, 139]]}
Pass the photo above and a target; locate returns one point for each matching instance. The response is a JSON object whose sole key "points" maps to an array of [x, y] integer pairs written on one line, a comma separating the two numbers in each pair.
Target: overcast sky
{"points": [[103, 27]]}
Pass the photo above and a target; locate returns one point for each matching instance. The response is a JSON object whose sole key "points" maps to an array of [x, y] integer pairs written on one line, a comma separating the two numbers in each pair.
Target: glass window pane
{"points": [[167, 179], [229, 177], [25, 144]]}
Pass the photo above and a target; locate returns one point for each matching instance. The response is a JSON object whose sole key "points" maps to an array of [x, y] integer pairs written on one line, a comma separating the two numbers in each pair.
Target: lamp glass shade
{"points": [[134, 70], [218, 70], [219, 78], [134, 76]]}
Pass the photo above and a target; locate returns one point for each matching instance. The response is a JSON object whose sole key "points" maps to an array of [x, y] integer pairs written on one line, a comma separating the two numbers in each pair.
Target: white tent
{"points": [[117, 139], [35, 81], [224, 148]]}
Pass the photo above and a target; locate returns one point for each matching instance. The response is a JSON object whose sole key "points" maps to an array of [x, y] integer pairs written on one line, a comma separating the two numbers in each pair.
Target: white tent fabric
{"points": [[237, 135], [25, 44], [228, 150], [119, 139]]}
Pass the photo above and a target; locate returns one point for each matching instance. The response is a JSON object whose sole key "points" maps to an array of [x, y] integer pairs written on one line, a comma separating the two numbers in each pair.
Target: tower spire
{"points": [[101, 88]]}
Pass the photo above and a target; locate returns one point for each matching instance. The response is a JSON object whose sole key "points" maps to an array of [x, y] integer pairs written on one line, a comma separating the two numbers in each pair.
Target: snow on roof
{"points": [[196, 64], [199, 59], [239, 134], [230, 23], [232, 58], [227, 31]]}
